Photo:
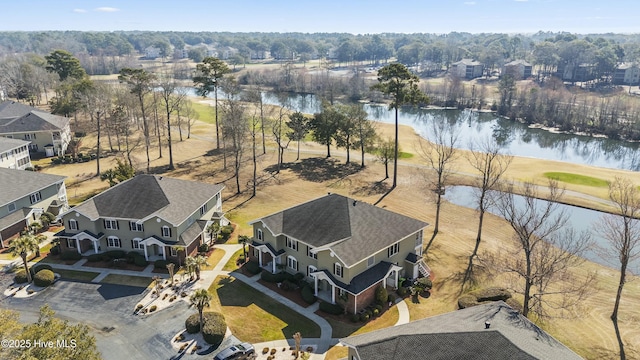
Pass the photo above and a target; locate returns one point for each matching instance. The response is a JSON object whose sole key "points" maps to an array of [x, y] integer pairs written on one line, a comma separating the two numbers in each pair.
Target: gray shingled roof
{"points": [[364, 229], [192, 232], [16, 117], [452, 329], [7, 144], [149, 195], [17, 184], [467, 62], [517, 62], [14, 218], [364, 280]]}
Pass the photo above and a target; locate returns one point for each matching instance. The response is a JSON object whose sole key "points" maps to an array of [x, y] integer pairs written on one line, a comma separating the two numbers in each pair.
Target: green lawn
{"points": [[343, 329], [214, 259], [205, 112], [231, 264], [140, 281], [404, 155], [576, 179], [255, 317], [84, 276]]}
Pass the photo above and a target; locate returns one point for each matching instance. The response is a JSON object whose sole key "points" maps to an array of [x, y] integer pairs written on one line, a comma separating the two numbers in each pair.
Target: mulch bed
{"points": [[293, 295], [347, 318], [57, 259], [108, 265]]}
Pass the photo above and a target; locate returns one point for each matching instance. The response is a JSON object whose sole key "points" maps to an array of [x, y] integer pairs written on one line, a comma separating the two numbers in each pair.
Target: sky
{"points": [[350, 16]]}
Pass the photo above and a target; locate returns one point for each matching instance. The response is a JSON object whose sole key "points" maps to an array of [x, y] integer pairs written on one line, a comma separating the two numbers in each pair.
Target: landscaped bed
{"points": [[84, 276], [140, 281], [343, 325]]}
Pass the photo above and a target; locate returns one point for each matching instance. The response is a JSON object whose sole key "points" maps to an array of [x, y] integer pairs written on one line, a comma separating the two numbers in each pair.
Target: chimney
{"points": [[487, 324]]}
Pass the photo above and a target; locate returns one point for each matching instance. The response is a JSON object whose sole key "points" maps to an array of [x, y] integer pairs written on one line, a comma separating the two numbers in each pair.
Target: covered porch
{"points": [[268, 257], [154, 249], [417, 266], [84, 242]]}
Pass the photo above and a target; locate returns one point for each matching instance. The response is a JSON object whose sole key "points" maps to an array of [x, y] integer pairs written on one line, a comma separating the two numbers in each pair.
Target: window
{"points": [[135, 244], [113, 241], [393, 249], [419, 238], [166, 231], [311, 254], [259, 234], [29, 136], [174, 251], [111, 224], [292, 263], [292, 244], [135, 226], [371, 261], [203, 209], [11, 207], [73, 225], [342, 293], [311, 269], [33, 147], [71, 243], [337, 269], [35, 197]]}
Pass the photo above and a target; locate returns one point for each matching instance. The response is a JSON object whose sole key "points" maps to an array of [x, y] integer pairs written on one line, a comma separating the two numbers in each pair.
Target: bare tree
{"points": [[279, 130], [487, 158], [255, 122], [97, 101], [171, 101], [234, 126], [440, 152], [622, 232], [546, 250]]}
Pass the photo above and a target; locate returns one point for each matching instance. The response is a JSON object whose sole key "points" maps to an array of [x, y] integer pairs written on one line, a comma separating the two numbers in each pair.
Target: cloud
{"points": [[107, 9], [469, 2], [79, 11]]}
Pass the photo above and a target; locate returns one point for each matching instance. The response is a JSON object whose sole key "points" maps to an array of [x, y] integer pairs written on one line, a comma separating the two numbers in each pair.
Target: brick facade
{"points": [[364, 299]]}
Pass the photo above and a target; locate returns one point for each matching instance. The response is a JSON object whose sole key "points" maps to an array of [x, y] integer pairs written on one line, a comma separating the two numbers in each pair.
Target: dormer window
{"points": [[259, 234], [337, 269], [166, 231], [73, 224]]}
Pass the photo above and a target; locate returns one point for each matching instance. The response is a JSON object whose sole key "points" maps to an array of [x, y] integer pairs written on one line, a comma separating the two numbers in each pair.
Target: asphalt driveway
{"points": [[108, 310]]}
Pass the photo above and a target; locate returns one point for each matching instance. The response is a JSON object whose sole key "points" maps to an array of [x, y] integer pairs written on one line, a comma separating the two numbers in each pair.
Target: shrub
{"points": [[115, 254], [138, 307], [330, 308], [466, 301], [30, 291], [274, 278], [214, 328], [44, 278], [94, 258], [39, 267], [355, 318], [265, 351], [365, 317], [140, 261], [153, 308], [402, 291], [54, 250], [491, 294], [225, 232], [160, 264], [426, 283], [298, 278], [70, 255], [252, 267], [192, 324], [391, 298], [378, 307], [307, 295], [375, 312], [273, 351], [288, 285], [203, 248], [20, 277], [381, 295]]}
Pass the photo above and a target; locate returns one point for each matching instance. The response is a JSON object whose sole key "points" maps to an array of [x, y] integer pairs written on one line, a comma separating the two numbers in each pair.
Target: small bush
{"points": [[70, 255], [252, 267], [378, 307], [307, 295], [491, 294], [153, 308], [273, 351], [115, 254], [225, 233], [466, 301], [214, 328], [330, 308], [391, 298], [183, 294], [94, 258], [44, 278], [375, 312], [20, 277], [192, 324], [274, 278], [265, 351], [140, 261], [203, 248], [138, 307], [381, 295], [288, 285], [365, 317], [39, 267], [30, 291], [269, 357], [355, 318], [402, 291], [160, 264], [426, 283]]}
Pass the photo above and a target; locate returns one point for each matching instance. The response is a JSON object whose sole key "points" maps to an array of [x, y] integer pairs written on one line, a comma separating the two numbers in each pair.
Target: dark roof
{"points": [[7, 144], [362, 229], [63, 234], [192, 232], [517, 62], [270, 247], [364, 280], [16, 117], [14, 218], [445, 346], [413, 258], [447, 331], [148, 195], [17, 184]]}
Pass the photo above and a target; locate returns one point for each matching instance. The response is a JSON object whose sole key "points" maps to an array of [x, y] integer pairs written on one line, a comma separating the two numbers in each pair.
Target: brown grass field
{"points": [[589, 331]]}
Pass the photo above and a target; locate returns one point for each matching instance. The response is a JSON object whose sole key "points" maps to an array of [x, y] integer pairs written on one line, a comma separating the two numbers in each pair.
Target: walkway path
{"points": [[403, 312]]}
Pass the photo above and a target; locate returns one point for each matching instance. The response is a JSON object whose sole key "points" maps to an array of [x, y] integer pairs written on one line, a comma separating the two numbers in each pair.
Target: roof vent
{"points": [[487, 324]]}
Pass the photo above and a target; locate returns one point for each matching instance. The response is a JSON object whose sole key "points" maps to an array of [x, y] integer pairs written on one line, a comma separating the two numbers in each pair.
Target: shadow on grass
{"points": [[318, 169], [112, 291], [372, 188]]}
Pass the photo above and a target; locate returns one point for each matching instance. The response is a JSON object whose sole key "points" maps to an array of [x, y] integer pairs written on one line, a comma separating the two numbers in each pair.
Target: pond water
{"points": [[579, 218]]}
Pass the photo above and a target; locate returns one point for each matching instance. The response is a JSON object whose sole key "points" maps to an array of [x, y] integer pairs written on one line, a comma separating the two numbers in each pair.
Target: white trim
{"points": [[116, 240], [291, 260]]}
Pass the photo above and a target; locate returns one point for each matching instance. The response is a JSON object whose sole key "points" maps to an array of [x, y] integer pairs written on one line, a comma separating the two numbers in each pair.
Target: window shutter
{"points": [[132, 245], [117, 225], [169, 232], [297, 266], [104, 223], [131, 229]]}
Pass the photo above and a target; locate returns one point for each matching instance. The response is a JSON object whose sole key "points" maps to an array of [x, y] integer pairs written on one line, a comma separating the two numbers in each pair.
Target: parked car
{"points": [[235, 352]]}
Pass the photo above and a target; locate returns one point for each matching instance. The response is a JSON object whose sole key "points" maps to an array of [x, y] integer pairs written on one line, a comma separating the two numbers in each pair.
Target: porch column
{"points": [[78, 246], [355, 304], [396, 286], [333, 294], [260, 257], [273, 265], [95, 246], [315, 284], [164, 253], [146, 256]]}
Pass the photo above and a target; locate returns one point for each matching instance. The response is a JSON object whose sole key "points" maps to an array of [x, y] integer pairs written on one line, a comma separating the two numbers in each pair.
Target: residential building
{"points": [[14, 154], [467, 69], [24, 196], [487, 331], [580, 72], [48, 134], [152, 52], [347, 248], [627, 74], [519, 69], [154, 215]]}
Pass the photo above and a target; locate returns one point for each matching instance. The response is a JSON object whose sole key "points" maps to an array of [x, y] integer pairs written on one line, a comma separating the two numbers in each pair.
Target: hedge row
{"points": [[307, 295], [330, 308], [252, 267]]}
